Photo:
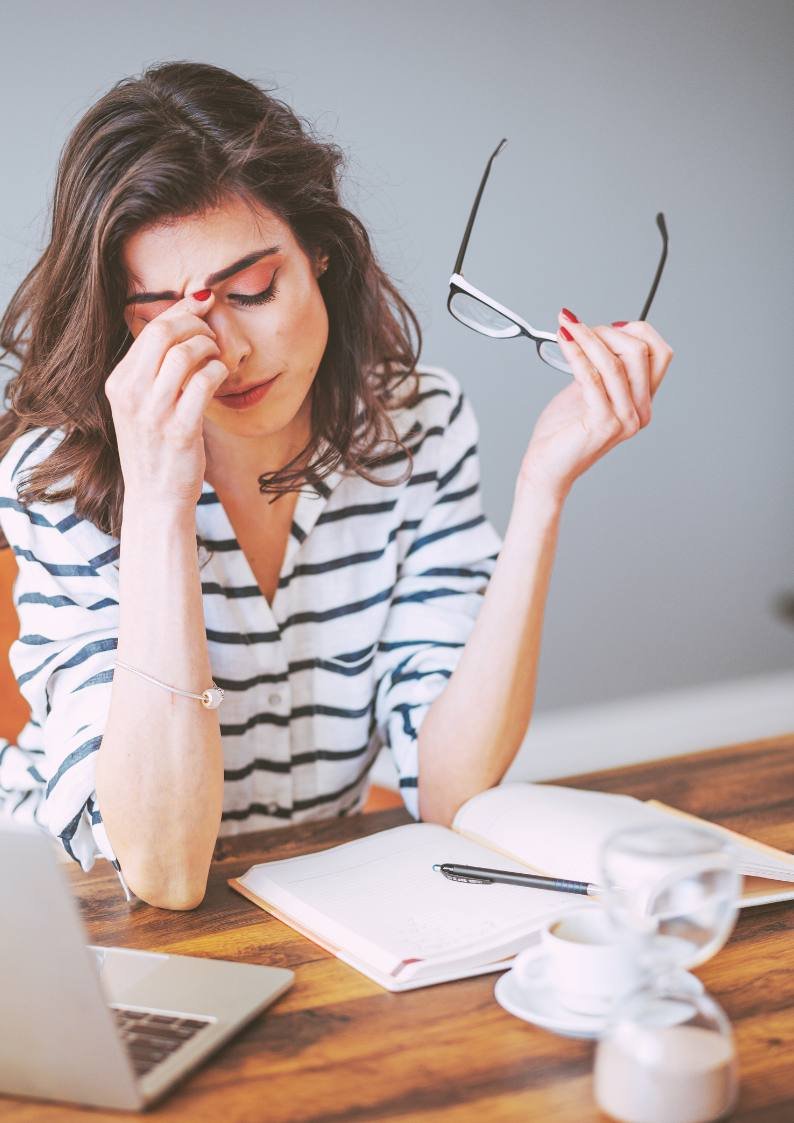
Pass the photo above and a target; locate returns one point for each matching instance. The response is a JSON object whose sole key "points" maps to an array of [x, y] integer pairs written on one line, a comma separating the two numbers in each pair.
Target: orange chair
{"points": [[380, 798], [14, 710]]}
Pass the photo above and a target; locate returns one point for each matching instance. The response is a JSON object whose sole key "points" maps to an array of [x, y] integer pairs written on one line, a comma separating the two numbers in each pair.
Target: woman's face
{"points": [[269, 316]]}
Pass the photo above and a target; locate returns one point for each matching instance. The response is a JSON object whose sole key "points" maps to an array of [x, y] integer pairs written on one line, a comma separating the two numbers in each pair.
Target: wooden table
{"points": [[337, 1048]]}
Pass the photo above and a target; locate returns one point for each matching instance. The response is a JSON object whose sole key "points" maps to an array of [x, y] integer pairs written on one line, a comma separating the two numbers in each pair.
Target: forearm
{"points": [[160, 764], [474, 728]]}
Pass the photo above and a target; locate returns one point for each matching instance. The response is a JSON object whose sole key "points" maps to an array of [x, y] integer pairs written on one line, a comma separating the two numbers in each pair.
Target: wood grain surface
{"points": [[336, 1048]]}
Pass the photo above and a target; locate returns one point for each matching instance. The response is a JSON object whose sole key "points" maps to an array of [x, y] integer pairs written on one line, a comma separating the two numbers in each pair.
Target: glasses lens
{"points": [[471, 311], [551, 353]]}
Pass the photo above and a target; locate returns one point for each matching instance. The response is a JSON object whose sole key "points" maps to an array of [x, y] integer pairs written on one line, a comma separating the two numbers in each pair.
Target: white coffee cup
{"points": [[588, 964]]}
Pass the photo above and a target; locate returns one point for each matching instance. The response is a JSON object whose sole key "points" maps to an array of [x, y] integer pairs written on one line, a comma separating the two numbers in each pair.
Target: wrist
{"points": [[142, 509], [540, 497]]}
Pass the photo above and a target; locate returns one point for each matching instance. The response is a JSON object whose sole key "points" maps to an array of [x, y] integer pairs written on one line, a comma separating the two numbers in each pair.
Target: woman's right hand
{"points": [[158, 394]]}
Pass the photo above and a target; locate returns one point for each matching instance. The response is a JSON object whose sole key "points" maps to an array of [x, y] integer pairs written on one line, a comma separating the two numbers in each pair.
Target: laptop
{"points": [[103, 1026]]}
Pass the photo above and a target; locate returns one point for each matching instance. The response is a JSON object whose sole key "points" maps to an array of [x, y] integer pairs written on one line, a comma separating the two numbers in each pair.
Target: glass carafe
{"points": [[666, 1056], [667, 1053]]}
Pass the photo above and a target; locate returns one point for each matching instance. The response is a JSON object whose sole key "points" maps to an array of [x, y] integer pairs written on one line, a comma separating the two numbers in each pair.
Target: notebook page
{"points": [[414, 973], [755, 858], [558, 830], [380, 898], [555, 830]]}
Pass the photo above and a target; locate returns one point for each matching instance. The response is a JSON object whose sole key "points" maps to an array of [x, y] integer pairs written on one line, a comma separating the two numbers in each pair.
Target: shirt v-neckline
{"points": [[308, 508]]}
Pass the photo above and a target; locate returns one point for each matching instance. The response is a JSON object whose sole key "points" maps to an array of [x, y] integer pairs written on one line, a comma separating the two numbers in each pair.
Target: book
{"points": [[378, 905]]}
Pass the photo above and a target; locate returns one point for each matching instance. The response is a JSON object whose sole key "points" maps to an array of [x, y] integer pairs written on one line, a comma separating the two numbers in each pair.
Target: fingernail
{"points": [[569, 315], [203, 294], [619, 323], [566, 334]]}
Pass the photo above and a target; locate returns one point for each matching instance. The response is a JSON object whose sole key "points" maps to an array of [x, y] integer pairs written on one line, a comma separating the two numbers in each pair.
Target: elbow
{"points": [[176, 895], [179, 885], [441, 818], [437, 807], [179, 901]]}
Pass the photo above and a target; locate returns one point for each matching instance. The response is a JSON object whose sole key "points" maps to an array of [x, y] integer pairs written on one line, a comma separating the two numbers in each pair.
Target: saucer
{"points": [[538, 1003]]}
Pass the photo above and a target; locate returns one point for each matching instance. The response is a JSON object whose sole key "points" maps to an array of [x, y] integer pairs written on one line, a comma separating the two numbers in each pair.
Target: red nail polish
{"points": [[619, 323], [203, 294], [566, 334], [569, 315]]}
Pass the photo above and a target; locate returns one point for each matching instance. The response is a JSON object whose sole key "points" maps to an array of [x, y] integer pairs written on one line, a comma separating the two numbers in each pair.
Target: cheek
{"points": [[317, 319], [305, 322]]}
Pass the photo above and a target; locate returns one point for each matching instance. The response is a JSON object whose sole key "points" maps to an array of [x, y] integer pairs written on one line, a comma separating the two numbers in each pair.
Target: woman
{"points": [[347, 591]]}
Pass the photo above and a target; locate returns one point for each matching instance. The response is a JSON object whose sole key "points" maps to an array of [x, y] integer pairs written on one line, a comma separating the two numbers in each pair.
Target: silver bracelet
{"points": [[210, 698]]}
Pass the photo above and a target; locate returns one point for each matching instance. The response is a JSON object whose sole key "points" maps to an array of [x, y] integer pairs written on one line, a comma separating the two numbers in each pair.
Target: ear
{"points": [[322, 264]]}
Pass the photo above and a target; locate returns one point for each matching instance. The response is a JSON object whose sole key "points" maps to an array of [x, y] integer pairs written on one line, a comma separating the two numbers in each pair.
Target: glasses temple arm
{"points": [[473, 215], [660, 222]]}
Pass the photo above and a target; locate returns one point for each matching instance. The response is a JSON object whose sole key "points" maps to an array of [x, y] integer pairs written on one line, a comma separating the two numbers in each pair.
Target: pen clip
{"points": [[468, 880]]}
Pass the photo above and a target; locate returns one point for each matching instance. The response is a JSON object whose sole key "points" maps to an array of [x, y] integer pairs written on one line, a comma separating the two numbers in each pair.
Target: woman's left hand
{"points": [[617, 371]]}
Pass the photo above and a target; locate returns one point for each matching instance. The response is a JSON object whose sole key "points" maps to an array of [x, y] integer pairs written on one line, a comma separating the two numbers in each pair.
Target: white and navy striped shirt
{"points": [[378, 593]]}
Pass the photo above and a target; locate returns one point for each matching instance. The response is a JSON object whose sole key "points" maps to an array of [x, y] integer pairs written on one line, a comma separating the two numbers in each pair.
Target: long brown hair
{"points": [[171, 143]]}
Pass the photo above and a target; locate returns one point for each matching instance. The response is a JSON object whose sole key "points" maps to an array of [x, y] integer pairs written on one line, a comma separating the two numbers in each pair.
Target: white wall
{"points": [[587, 738]]}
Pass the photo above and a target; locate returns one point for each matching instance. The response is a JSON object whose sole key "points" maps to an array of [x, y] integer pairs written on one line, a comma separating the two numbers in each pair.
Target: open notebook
{"points": [[377, 904]]}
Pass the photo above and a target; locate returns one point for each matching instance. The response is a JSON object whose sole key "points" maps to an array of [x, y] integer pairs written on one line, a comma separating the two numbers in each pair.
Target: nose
{"points": [[231, 340]]}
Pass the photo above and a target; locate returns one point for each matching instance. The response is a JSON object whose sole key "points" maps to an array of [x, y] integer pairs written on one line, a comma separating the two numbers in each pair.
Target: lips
{"points": [[244, 389]]}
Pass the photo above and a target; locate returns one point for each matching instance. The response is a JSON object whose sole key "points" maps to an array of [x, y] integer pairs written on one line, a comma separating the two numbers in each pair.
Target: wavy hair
{"points": [[171, 143]]}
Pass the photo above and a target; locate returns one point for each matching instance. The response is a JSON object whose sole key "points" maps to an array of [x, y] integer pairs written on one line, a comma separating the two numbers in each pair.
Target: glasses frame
{"points": [[519, 326]]}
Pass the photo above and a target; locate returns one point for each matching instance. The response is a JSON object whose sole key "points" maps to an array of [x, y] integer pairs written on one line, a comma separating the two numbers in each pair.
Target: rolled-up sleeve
{"points": [[438, 594], [63, 664]]}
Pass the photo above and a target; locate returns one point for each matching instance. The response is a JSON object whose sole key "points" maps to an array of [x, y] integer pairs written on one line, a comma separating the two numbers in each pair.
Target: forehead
{"points": [[159, 256]]}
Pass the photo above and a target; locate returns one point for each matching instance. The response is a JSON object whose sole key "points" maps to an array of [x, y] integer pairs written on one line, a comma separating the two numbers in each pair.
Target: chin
{"points": [[263, 419], [258, 421]]}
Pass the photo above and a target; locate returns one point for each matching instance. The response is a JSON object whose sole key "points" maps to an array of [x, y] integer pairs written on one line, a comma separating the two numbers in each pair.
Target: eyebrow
{"points": [[213, 279]]}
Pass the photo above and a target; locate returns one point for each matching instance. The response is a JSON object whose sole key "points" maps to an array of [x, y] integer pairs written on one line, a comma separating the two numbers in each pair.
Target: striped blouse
{"points": [[378, 593]]}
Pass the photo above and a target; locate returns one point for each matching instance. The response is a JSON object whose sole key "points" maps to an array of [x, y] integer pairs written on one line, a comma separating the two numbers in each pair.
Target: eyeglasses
{"points": [[483, 314]]}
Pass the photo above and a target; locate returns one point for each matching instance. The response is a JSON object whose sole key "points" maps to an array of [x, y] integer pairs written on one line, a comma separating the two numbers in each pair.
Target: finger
{"points": [[180, 322], [596, 399], [660, 349], [178, 365], [197, 394], [635, 354], [611, 370]]}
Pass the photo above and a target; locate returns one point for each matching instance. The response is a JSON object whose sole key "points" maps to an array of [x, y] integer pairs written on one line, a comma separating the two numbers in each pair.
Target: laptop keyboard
{"points": [[150, 1038]]}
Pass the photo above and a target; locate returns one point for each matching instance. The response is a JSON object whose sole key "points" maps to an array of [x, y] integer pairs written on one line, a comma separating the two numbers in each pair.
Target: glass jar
{"points": [[667, 1055], [673, 890]]}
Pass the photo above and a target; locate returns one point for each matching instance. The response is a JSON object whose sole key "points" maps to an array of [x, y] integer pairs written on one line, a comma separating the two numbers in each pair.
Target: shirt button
{"points": [[274, 699], [271, 807]]}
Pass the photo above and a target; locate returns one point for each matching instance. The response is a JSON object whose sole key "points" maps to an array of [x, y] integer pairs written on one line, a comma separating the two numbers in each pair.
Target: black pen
{"points": [[478, 875]]}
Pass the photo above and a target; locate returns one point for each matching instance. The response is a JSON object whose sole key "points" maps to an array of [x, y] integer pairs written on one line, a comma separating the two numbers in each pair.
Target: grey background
{"points": [[673, 547]]}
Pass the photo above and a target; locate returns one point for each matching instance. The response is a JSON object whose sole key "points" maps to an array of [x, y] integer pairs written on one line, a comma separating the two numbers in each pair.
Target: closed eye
{"points": [[259, 297], [241, 298]]}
